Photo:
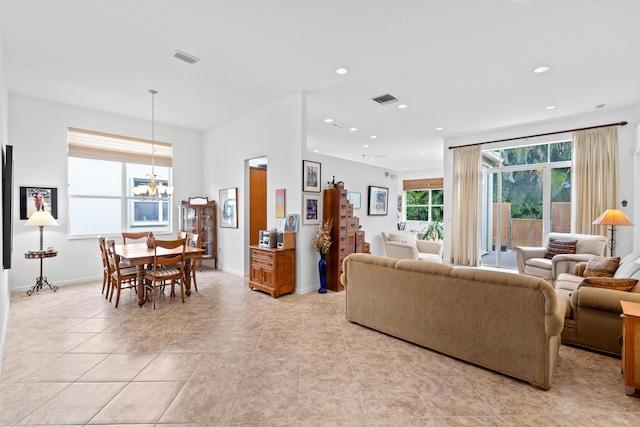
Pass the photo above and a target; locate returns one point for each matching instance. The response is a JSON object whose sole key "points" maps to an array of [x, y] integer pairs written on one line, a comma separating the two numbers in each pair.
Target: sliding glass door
{"points": [[526, 193]]}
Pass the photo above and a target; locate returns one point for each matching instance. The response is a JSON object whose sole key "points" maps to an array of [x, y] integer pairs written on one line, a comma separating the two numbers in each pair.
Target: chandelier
{"points": [[153, 190]]}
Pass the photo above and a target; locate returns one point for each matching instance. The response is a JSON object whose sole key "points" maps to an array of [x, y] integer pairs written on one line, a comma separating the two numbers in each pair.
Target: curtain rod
{"points": [[540, 134]]}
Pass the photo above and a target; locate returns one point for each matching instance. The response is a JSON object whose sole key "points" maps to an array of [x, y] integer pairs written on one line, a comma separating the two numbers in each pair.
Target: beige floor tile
{"points": [[118, 367], [170, 367], [18, 400], [139, 402], [266, 399], [76, 404], [67, 367], [202, 402], [329, 400]]}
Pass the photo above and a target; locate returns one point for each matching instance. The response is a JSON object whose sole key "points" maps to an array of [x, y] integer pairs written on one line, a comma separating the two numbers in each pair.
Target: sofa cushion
{"points": [[556, 247], [601, 267], [618, 284]]}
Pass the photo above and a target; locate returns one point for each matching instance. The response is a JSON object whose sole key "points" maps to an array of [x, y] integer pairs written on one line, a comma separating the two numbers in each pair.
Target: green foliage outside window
{"points": [[425, 205]]}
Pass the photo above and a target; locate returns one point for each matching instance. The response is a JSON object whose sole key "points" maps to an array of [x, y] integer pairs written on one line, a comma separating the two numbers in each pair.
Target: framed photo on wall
{"points": [[355, 199], [311, 209], [280, 203], [311, 176], [378, 200], [229, 208], [291, 224], [34, 199]]}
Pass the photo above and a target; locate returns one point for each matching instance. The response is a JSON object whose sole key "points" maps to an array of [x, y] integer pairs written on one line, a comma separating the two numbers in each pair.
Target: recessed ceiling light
{"points": [[316, 151], [550, 107], [353, 129], [342, 70], [402, 106], [365, 146], [541, 69], [328, 120], [439, 128], [373, 136], [422, 152]]}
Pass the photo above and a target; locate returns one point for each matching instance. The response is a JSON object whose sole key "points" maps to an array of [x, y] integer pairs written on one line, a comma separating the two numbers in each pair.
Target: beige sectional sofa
{"points": [[592, 319], [502, 321], [405, 246]]}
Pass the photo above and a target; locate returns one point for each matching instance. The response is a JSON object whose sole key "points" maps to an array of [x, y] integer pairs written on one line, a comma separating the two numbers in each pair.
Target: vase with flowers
{"points": [[321, 243]]}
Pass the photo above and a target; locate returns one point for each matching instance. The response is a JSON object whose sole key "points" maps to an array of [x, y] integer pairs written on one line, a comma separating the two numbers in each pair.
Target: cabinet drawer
{"points": [[258, 254]]}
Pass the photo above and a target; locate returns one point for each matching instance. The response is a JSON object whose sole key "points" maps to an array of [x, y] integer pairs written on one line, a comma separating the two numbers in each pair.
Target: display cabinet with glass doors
{"points": [[198, 215]]}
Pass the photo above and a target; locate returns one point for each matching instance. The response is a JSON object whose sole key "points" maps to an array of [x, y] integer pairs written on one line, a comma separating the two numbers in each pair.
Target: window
{"points": [[102, 170], [425, 205]]}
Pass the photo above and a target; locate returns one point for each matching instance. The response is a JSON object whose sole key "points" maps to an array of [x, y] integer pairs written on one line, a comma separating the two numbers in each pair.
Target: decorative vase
{"points": [[151, 241], [322, 270]]}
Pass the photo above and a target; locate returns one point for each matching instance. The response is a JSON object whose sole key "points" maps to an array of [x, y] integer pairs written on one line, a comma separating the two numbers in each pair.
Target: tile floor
{"points": [[234, 357]]}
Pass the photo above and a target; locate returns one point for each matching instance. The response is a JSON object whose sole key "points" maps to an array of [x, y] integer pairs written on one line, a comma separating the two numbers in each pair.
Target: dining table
{"points": [[138, 255]]}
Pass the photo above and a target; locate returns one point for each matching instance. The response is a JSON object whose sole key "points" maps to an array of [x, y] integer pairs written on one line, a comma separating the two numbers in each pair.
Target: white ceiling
{"points": [[464, 65]]}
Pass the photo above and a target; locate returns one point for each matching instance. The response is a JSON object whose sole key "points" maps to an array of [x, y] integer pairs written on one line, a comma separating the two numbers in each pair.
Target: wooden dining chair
{"points": [[182, 234], [133, 236], [166, 268], [121, 278], [193, 239], [106, 271]]}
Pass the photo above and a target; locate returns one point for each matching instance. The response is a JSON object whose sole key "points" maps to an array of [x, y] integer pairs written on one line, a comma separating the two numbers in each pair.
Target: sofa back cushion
{"points": [[587, 243]]}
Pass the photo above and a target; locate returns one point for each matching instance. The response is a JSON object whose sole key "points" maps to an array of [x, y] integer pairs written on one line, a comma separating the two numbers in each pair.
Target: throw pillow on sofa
{"points": [[617, 284], [556, 247], [601, 266]]}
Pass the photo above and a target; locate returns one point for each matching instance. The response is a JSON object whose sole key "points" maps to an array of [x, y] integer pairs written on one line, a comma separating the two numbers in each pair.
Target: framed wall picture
{"points": [[354, 199], [291, 224], [280, 203], [311, 209], [229, 208], [34, 199], [378, 200], [311, 176]]}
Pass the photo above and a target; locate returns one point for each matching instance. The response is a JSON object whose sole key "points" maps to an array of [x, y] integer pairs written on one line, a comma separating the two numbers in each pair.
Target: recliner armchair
{"points": [[405, 246], [531, 260]]}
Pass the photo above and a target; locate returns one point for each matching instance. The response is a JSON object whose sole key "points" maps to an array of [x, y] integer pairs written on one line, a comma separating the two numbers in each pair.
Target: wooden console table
{"points": [[42, 280]]}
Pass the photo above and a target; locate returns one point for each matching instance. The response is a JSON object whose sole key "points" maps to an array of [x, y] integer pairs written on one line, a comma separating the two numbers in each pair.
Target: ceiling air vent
{"points": [[385, 99], [337, 125], [182, 56]]}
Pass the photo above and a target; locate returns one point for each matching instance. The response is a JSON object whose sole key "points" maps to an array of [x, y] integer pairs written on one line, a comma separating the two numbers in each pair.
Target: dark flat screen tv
{"points": [[7, 205]]}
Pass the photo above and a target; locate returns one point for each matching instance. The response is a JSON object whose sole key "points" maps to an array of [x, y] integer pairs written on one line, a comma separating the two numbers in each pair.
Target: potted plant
{"points": [[433, 231]]}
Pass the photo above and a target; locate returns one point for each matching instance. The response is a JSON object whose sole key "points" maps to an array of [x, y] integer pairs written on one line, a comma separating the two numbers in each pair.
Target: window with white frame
{"points": [[425, 205], [102, 171]]}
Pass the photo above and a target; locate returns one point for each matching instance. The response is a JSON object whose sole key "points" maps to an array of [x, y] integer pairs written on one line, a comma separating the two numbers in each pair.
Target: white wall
{"points": [[628, 174], [38, 133], [4, 281], [277, 132]]}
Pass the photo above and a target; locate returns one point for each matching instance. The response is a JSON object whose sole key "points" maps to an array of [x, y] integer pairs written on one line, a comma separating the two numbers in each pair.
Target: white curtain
{"points": [[595, 175], [466, 206]]}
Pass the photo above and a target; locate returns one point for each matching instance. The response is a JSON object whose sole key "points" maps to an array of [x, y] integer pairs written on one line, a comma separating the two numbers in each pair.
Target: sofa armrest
{"points": [[554, 322], [568, 282], [401, 250], [565, 263], [603, 299], [523, 253], [430, 247]]}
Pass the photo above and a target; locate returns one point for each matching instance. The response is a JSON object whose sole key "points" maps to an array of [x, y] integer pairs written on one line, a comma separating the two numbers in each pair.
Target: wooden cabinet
{"points": [[631, 346], [198, 215], [346, 235], [273, 270]]}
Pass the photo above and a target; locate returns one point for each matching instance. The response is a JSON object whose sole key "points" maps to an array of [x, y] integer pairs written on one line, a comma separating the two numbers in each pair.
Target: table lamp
{"points": [[612, 217], [40, 219]]}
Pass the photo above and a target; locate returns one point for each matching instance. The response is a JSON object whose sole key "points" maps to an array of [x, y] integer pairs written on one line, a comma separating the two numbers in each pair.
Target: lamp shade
{"points": [[41, 218], [612, 217]]}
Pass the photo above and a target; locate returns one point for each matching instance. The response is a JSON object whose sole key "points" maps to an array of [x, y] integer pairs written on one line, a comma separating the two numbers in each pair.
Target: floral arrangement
{"points": [[322, 241]]}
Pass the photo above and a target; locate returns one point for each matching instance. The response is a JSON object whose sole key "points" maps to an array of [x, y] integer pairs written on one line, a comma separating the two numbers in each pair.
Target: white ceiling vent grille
{"points": [[385, 99], [182, 56]]}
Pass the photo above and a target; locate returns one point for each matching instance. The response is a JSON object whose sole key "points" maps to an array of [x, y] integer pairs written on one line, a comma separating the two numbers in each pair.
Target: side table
{"points": [[631, 346], [42, 280]]}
